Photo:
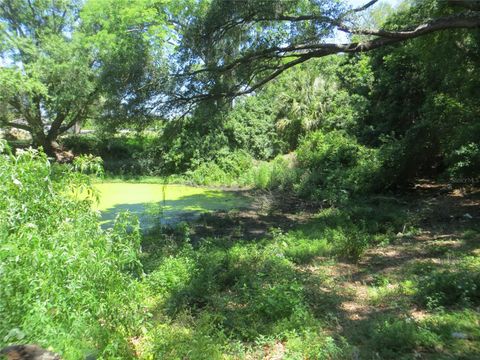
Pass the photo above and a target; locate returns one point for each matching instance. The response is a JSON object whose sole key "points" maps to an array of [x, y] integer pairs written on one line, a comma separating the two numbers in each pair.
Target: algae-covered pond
{"points": [[163, 204]]}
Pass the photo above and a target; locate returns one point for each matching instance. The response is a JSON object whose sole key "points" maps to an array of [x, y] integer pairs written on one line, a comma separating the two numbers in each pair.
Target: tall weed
{"points": [[64, 283]]}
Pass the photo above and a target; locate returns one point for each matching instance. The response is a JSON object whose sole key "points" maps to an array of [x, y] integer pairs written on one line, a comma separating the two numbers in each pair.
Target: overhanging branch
{"points": [[304, 52], [467, 4]]}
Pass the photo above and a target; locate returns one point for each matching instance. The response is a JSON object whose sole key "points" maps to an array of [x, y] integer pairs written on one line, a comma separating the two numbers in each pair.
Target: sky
{"points": [[362, 2], [341, 37]]}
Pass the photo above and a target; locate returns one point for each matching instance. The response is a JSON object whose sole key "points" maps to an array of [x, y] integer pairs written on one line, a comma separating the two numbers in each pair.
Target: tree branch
{"points": [[467, 4], [450, 22], [305, 52], [365, 7], [19, 126]]}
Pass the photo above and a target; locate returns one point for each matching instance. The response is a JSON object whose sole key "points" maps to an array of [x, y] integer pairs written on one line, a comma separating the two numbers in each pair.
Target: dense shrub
{"points": [[251, 126], [88, 164], [83, 144], [186, 143], [464, 162], [228, 168], [279, 173], [64, 282], [126, 154], [430, 116], [334, 166]]}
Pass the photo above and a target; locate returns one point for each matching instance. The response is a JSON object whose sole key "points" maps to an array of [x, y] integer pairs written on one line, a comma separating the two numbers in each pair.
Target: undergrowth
{"points": [[69, 285], [64, 282]]}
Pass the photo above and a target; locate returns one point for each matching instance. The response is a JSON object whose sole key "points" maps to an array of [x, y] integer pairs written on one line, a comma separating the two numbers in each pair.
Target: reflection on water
{"points": [[162, 204]]}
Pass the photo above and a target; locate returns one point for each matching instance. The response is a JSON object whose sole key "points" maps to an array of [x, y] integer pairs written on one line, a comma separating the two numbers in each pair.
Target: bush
{"points": [[280, 173], [464, 162], [234, 163], [262, 175], [65, 283], [88, 164], [126, 154], [229, 168], [208, 173], [186, 143], [350, 244], [334, 166], [83, 144]]}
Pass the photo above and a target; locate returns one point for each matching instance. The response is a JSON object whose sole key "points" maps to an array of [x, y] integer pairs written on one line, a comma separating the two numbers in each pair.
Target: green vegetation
{"points": [[65, 283], [224, 297], [236, 193]]}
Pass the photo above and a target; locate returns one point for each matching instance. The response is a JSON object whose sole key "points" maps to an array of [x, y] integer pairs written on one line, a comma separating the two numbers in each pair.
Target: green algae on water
{"points": [[166, 204]]}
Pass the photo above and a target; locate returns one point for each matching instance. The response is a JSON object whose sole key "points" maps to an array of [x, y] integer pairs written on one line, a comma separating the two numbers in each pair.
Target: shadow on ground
{"points": [[242, 281]]}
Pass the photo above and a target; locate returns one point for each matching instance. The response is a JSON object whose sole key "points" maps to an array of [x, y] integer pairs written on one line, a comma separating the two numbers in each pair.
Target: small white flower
{"points": [[17, 182]]}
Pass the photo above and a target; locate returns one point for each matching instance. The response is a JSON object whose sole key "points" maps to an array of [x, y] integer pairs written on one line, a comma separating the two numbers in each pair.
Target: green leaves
{"points": [[62, 280], [68, 61]]}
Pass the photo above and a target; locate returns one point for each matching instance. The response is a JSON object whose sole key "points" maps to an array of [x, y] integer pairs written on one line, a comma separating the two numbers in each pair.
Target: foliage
{"points": [[450, 287], [335, 166], [123, 154], [464, 162], [65, 63], [229, 168], [336, 131], [393, 337], [228, 297], [422, 102], [47, 68], [311, 97], [250, 125], [66, 283], [186, 143], [88, 164], [128, 39], [302, 100], [231, 50]]}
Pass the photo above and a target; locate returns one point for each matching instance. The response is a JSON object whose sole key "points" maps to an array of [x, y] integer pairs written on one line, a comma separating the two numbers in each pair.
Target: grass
{"points": [[375, 278], [354, 281]]}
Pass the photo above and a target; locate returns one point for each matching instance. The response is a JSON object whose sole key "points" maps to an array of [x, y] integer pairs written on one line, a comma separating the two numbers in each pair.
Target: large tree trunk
{"points": [[51, 147]]}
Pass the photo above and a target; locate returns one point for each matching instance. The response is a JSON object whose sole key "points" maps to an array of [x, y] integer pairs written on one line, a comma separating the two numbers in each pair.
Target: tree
{"points": [[424, 104], [63, 64], [48, 81], [129, 38], [309, 97], [233, 48]]}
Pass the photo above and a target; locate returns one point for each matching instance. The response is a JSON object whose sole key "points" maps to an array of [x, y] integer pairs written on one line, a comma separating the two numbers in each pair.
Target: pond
{"points": [[156, 204]]}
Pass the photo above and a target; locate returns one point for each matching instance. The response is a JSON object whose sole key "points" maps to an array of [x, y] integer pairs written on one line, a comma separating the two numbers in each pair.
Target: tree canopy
{"points": [[231, 48], [63, 62]]}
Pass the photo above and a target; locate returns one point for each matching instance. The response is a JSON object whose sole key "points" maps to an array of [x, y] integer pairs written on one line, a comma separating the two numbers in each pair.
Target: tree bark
{"points": [[51, 147]]}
